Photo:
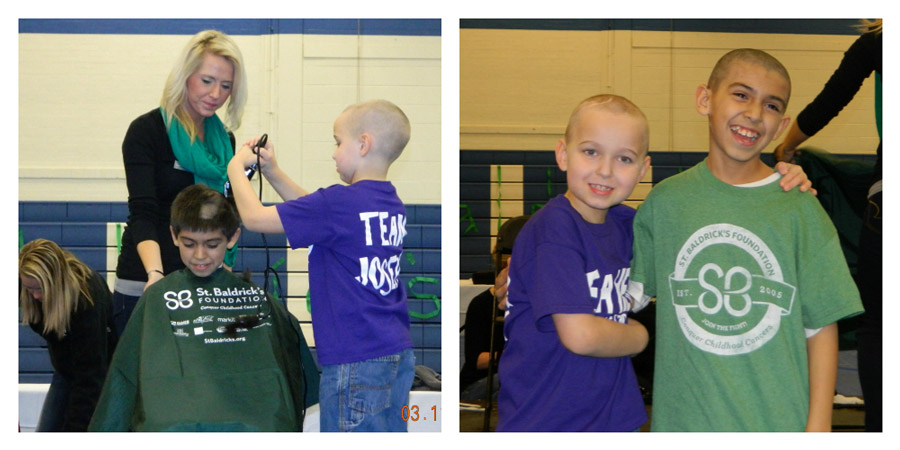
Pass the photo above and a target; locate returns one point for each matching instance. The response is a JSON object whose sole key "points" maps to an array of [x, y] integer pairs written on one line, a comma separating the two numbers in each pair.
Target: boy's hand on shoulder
{"points": [[793, 176]]}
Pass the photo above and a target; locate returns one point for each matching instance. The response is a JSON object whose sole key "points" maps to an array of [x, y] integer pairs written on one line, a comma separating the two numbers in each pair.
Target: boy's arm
{"points": [[590, 335], [283, 184], [254, 215], [268, 167], [822, 350]]}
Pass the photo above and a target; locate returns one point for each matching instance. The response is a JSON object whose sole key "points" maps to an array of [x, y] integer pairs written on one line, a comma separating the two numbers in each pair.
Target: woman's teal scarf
{"points": [[207, 159]]}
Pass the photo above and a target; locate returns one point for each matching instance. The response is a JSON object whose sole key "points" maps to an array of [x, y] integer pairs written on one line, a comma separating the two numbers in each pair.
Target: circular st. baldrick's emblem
{"points": [[733, 309]]}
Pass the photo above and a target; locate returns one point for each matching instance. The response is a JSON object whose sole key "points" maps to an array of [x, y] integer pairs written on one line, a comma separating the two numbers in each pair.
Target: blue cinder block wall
{"points": [[82, 228]]}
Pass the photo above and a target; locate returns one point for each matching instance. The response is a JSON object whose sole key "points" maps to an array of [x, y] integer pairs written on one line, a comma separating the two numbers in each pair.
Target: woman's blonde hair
{"points": [[869, 26], [64, 282], [208, 42]]}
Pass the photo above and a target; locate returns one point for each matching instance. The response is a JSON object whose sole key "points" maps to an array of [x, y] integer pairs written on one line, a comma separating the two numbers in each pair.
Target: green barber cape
{"points": [[178, 367]]}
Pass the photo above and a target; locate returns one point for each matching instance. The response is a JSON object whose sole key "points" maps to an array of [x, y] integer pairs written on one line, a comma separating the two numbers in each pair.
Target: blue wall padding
{"points": [[81, 228]]}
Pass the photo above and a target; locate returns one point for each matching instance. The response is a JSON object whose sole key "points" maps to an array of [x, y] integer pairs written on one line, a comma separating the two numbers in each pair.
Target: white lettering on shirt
{"points": [[382, 273], [391, 229], [612, 286]]}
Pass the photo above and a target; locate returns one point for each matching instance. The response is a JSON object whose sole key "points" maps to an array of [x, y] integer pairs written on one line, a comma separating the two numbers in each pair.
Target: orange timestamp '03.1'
{"points": [[411, 413]]}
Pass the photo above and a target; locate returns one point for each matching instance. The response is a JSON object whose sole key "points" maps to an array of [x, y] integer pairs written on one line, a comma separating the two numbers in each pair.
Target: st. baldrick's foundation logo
{"points": [[729, 310]]}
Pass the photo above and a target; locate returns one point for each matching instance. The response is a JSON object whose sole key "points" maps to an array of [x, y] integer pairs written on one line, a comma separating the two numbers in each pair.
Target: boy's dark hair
{"points": [[750, 55], [201, 208], [508, 232]]}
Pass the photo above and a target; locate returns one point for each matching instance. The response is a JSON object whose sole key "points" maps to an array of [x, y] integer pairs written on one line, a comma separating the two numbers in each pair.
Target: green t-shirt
{"points": [[739, 274], [177, 367]]}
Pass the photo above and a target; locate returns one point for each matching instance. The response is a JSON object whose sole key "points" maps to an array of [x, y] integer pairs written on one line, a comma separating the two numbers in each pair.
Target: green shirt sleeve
{"points": [[643, 268], [828, 292]]}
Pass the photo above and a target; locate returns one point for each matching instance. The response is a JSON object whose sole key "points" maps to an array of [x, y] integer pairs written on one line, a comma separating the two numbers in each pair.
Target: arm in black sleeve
{"points": [[863, 57], [142, 150], [87, 357]]}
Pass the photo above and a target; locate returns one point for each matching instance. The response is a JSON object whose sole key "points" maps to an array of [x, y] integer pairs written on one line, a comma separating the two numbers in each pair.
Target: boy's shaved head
{"points": [[613, 103], [748, 55], [384, 120]]}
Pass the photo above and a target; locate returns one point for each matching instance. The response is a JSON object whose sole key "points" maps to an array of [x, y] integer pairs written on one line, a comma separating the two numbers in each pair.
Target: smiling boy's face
{"points": [[745, 110], [203, 252], [604, 158]]}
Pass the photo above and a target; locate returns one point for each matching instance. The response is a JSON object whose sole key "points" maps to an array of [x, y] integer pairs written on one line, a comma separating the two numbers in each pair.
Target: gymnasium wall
{"points": [[520, 80], [81, 83]]}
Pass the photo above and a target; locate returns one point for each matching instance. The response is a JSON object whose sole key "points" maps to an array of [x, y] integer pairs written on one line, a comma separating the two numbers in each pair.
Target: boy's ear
{"points": [[234, 239], [174, 238], [645, 166], [365, 144], [785, 121], [561, 157], [702, 100]]}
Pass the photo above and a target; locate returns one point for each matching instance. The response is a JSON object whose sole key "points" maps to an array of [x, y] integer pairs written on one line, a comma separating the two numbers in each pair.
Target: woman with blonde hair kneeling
{"points": [[69, 305]]}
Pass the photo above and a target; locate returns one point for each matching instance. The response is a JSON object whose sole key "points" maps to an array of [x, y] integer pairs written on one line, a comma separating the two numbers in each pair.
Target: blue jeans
{"points": [[367, 395]]}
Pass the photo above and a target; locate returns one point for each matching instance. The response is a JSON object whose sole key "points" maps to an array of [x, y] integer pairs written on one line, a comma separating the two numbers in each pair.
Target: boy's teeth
{"points": [[744, 132]]}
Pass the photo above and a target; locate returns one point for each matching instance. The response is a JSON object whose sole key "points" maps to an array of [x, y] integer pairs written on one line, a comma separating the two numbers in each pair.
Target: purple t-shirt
{"points": [[355, 239], [563, 264]]}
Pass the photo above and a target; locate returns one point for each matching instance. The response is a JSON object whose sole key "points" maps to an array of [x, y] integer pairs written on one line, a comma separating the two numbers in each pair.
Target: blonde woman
{"points": [[68, 304], [179, 143]]}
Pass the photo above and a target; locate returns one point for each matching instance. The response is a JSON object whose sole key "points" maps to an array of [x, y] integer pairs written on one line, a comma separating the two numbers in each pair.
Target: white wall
{"points": [[518, 87], [79, 92]]}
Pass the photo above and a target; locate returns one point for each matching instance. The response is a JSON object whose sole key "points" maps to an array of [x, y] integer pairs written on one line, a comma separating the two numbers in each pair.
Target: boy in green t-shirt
{"points": [[749, 281], [204, 349]]}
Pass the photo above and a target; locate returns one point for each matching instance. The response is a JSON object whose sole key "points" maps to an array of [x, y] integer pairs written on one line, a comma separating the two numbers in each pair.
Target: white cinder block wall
{"points": [[79, 92]]}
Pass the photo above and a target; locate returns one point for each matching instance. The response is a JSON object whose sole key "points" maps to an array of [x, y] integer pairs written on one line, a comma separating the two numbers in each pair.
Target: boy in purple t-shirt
{"points": [[566, 364], [355, 239]]}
